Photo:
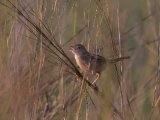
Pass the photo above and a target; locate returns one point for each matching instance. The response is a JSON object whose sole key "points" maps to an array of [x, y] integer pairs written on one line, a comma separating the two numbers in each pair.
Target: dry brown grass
{"points": [[38, 75]]}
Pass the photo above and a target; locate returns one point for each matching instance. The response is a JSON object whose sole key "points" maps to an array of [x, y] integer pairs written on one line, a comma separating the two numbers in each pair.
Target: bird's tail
{"points": [[114, 60]]}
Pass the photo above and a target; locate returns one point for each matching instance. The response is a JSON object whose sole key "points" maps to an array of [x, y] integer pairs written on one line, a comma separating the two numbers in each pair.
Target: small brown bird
{"points": [[91, 63]]}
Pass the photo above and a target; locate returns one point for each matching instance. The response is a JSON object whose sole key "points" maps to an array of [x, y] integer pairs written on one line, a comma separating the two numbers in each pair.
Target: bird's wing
{"points": [[97, 58], [83, 61]]}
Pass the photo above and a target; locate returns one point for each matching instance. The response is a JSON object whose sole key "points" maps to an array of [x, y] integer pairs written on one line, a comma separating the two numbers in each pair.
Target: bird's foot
{"points": [[94, 85], [94, 82]]}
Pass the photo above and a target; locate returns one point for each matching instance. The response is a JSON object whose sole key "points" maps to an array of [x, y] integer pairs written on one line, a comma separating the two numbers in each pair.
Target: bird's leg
{"points": [[97, 77]]}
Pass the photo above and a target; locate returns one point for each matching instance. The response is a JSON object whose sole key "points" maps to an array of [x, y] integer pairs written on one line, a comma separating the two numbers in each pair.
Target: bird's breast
{"points": [[81, 63]]}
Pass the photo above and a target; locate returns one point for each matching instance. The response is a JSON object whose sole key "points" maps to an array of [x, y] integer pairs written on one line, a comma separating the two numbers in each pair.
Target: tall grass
{"points": [[39, 78]]}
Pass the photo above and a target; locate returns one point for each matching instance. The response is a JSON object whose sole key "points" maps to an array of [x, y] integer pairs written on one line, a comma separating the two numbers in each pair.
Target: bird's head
{"points": [[78, 49]]}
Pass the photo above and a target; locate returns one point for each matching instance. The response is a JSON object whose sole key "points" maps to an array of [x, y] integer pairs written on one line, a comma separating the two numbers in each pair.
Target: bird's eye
{"points": [[78, 47]]}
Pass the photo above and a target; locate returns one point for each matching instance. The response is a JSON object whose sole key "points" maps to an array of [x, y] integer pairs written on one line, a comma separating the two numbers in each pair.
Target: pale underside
{"points": [[91, 63]]}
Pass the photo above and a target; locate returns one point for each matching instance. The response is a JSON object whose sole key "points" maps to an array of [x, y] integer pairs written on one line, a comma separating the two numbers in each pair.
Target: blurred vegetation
{"points": [[39, 82]]}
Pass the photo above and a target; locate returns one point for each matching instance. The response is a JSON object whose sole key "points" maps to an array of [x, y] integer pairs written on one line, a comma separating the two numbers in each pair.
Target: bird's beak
{"points": [[71, 48]]}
